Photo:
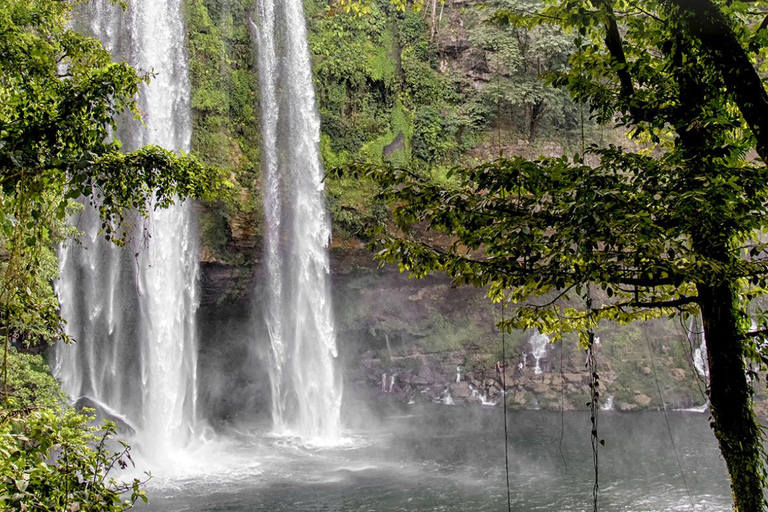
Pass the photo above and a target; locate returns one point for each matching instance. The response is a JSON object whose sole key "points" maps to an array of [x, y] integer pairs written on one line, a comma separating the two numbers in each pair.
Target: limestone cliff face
{"points": [[229, 256]]}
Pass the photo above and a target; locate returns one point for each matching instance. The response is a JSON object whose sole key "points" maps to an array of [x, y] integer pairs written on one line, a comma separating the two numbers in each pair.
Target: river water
{"points": [[451, 458]]}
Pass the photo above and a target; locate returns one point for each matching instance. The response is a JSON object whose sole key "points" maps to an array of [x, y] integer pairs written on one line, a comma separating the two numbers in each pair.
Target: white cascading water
{"points": [[484, 400], [700, 362], [539, 343], [134, 317], [306, 392]]}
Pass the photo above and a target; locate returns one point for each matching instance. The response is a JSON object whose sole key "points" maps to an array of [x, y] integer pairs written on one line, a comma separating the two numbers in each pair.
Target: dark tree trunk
{"points": [[730, 397], [537, 109], [724, 51]]}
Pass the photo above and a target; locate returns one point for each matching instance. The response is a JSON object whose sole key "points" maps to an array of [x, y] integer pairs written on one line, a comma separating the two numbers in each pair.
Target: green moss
{"points": [[214, 229], [226, 131], [380, 65], [30, 383], [401, 120]]}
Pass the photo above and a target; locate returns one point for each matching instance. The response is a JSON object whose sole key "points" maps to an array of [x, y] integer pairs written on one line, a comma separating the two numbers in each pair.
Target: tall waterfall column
{"points": [[306, 390], [134, 318]]}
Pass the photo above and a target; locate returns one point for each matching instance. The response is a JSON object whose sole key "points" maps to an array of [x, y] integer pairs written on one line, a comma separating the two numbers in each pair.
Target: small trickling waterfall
{"points": [[134, 316], [539, 343], [306, 392], [483, 397], [696, 334]]}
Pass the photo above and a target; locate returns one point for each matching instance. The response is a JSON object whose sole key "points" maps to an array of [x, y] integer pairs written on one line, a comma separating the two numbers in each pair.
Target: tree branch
{"points": [[675, 303], [756, 334], [615, 47]]}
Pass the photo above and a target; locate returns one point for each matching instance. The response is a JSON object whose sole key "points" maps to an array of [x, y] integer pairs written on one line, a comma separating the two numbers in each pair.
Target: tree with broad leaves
{"points": [[60, 96], [671, 223]]}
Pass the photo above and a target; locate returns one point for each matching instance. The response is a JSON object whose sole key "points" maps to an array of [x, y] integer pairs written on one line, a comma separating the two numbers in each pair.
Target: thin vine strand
{"points": [[504, 401], [594, 385]]}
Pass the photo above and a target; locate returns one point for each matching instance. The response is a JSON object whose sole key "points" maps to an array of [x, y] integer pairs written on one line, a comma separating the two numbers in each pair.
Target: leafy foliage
{"points": [[30, 383], [361, 7], [50, 456], [519, 57], [53, 461], [60, 94], [381, 98]]}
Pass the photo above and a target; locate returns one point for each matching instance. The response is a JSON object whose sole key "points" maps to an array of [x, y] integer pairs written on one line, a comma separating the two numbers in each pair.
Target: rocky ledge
{"points": [[450, 377]]}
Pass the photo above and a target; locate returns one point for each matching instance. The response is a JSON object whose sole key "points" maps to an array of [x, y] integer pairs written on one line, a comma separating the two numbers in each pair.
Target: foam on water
{"points": [[699, 409], [240, 457]]}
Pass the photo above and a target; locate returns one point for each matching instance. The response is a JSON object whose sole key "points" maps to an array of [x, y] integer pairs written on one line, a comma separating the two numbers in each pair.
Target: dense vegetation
{"points": [[226, 129], [60, 95], [51, 458]]}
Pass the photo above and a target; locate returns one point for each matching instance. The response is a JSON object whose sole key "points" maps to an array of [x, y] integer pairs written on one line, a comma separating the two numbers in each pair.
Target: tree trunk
{"points": [[724, 51], [730, 395], [433, 22], [537, 109]]}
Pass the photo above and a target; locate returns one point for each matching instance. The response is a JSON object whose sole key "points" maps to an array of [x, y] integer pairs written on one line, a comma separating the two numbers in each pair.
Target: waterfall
{"points": [[306, 392], [132, 310], [483, 397], [539, 343], [696, 334]]}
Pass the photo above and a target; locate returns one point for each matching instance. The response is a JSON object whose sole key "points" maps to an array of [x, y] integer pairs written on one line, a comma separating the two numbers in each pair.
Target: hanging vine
{"points": [[594, 399]]}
